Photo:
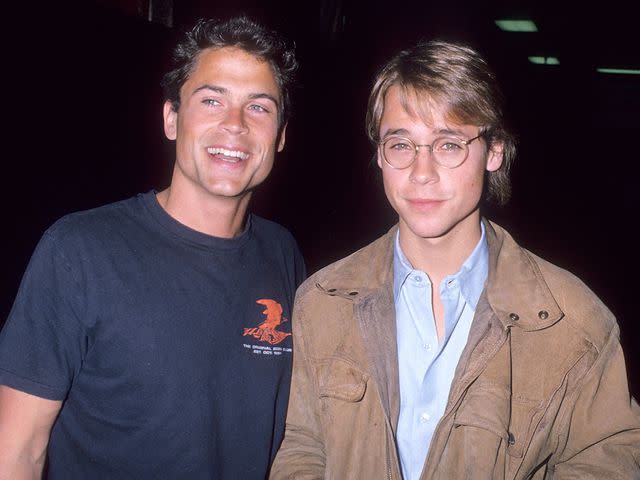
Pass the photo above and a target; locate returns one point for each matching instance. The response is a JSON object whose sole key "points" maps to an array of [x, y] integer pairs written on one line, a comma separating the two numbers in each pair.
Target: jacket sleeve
{"points": [[301, 455], [602, 437]]}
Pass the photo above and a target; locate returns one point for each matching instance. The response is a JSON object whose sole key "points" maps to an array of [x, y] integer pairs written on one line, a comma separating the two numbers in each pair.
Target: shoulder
{"points": [[532, 282], [274, 239], [270, 229], [273, 242], [76, 231], [580, 305], [99, 218], [366, 268]]}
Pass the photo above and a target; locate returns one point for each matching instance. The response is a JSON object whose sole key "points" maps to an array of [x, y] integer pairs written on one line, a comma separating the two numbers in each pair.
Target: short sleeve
{"points": [[41, 344]]}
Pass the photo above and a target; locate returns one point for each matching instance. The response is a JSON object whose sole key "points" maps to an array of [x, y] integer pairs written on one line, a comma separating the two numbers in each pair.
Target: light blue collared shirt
{"points": [[427, 367]]}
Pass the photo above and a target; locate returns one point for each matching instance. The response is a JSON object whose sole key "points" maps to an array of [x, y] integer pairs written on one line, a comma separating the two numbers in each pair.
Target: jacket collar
{"points": [[362, 273], [515, 288]]}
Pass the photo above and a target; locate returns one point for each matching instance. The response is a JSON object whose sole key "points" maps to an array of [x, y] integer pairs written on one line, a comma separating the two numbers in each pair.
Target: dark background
{"points": [[83, 125]]}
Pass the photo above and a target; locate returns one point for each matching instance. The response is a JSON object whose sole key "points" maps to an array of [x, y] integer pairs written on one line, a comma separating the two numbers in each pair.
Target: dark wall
{"points": [[83, 123], [84, 128]]}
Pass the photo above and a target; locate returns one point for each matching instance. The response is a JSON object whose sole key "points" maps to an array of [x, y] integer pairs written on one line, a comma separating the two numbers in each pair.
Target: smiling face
{"points": [[433, 202], [226, 128]]}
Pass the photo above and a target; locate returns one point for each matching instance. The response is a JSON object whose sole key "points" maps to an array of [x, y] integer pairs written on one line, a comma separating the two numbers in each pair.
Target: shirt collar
{"points": [[471, 277], [401, 267]]}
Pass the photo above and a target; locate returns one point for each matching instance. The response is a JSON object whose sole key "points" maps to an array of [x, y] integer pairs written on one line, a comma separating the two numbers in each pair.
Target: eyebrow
{"points": [[395, 131], [266, 96], [440, 131], [225, 91]]}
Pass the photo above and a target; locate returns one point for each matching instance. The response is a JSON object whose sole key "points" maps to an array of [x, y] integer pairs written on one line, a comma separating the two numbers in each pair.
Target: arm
{"points": [[301, 455], [25, 425], [602, 438]]}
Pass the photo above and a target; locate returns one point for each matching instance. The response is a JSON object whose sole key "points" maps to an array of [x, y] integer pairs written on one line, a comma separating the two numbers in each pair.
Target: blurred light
{"points": [[544, 60], [619, 71], [516, 25]]}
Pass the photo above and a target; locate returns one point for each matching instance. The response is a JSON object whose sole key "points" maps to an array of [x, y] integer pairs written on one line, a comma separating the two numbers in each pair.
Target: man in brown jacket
{"points": [[444, 350]]}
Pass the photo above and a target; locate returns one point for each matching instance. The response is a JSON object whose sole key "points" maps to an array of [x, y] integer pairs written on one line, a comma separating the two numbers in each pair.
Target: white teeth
{"points": [[228, 153]]}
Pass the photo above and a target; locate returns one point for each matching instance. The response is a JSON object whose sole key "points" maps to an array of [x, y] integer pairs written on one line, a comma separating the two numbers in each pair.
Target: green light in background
{"points": [[619, 71], [516, 25], [544, 60]]}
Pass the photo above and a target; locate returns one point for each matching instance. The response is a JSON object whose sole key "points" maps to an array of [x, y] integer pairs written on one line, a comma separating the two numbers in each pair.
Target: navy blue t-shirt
{"points": [[171, 349]]}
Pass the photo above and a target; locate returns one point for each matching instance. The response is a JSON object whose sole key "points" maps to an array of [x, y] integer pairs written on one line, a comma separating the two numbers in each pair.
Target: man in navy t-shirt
{"points": [[151, 338]]}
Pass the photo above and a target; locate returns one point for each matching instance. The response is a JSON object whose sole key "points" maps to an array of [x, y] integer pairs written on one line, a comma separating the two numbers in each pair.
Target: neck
{"points": [[216, 216], [443, 255]]}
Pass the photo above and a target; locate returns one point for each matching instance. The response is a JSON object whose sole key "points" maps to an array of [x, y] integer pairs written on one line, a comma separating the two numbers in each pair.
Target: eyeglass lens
{"points": [[401, 152]]}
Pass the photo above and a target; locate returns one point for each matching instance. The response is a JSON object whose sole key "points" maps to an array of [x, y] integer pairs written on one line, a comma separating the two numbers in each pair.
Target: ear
{"points": [[495, 156], [378, 157], [170, 120], [282, 135]]}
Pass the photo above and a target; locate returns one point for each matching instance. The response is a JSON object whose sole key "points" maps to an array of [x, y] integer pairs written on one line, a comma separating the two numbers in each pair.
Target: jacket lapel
{"points": [[375, 314]]}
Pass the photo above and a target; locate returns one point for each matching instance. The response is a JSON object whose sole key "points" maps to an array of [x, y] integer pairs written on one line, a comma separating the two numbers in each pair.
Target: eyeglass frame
{"points": [[417, 149]]}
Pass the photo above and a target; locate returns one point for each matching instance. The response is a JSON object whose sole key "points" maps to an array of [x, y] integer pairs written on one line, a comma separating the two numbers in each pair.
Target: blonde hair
{"points": [[456, 78]]}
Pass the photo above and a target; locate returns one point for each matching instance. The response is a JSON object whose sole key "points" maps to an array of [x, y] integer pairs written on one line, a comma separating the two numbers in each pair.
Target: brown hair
{"points": [[242, 32]]}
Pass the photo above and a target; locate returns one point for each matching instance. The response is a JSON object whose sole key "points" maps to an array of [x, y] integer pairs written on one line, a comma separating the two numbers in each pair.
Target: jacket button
{"points": [[511, 440], [353, 293], [543, 314], [514, 317]]}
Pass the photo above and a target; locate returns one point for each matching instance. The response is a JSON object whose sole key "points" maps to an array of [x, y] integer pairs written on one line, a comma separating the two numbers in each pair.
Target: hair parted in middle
{"points": [[459, 80]]}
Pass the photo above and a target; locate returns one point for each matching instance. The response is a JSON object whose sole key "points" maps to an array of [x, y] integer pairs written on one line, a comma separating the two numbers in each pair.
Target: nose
{"points": [[424, 168], [234, 121]]}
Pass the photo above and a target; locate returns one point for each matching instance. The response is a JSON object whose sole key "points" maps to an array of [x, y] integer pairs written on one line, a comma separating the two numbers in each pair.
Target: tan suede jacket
{"points": [[540, 391]]}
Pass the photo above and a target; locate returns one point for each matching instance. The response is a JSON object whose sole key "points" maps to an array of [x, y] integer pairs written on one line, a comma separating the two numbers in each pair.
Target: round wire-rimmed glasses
{"points": [[448, 152]]}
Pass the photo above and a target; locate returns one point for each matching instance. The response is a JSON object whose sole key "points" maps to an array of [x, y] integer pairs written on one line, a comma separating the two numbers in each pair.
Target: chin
{"points": [[424, 229], [441, 226], [429, 234], [224, 191]]}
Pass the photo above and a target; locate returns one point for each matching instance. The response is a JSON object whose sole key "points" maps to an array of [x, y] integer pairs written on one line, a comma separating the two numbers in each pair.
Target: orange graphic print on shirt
{"points": [[267, 330]]}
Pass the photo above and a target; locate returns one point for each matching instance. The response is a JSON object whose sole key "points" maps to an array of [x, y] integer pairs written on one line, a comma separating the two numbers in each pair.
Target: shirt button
{"points": [[425, 417], [417, 278], [427, 347]]}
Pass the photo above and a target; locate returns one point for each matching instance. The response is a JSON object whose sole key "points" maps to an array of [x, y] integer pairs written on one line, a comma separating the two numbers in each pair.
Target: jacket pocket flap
{"points": [[340, 379], [486, 407]]}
